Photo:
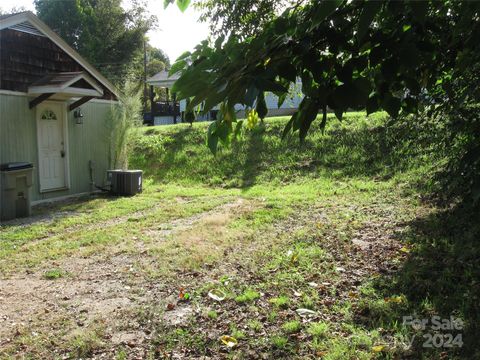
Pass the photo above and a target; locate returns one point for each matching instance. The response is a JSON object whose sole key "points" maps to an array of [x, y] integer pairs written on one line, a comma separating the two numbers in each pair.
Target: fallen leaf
{"points": [[394, 299], [294, 259], [305, 312], [352, 295], [170, 307], [229, 341], [297, 293], [313, 284], [405, 250], [293, 256], [181, 293], [378, 348], [217, 295]]}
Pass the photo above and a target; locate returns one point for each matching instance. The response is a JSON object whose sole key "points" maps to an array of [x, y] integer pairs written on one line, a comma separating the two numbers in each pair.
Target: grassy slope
{"points": [[357, 148]]}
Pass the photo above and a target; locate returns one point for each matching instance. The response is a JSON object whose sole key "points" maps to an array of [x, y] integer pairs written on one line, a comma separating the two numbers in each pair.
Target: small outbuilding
{"points": [[53, 110]]}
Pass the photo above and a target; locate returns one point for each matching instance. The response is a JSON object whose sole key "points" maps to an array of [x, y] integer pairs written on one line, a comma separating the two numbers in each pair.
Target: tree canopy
{"points": [[102, 31], [239, 18], [397, 56], [378, 55]]}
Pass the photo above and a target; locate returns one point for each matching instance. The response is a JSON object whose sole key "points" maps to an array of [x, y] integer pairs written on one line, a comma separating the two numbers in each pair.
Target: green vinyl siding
{"points": [[87, 141]]}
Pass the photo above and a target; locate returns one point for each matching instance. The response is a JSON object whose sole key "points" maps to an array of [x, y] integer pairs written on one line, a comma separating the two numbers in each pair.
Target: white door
{"points": [[51, 146]]}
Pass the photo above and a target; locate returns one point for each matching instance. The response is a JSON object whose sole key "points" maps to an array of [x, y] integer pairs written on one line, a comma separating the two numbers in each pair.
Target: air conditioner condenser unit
{"points": [[125, 182]]}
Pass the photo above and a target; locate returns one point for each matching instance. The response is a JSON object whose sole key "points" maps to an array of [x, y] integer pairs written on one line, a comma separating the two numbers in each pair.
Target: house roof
{"points": [[4, 16], [26, 21], [162, 79]]}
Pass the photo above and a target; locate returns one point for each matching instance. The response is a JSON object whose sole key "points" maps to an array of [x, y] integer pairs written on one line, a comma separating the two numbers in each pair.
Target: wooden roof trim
{"points": [[68, 91], [88, 79], [96, 91], [42, 27]]}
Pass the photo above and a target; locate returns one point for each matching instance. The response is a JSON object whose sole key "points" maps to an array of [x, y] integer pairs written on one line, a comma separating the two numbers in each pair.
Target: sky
{"points": [[176, 33]]}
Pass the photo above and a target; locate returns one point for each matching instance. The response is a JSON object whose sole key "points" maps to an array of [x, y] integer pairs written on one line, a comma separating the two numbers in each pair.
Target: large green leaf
{"points": [[183, 4], [251, 95], [261, 106], [419, 10], [213, 99], [178, 66], [306, 117], [339, 113], [372, 104], [281, 99], [167, 2], [324, 9], [324, 118], [269, 85], [212, 137], [369, 11], [190, 84], [344, 95], [223, 130], [238, 128], [287, 71], [289, 125], [344, 73], [198, 99], [184, 55], [391, 105], [280, 25], [410, 105]]}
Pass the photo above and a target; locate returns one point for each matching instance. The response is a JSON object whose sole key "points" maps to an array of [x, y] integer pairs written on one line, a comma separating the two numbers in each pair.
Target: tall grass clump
{"points": [[122, 122]]}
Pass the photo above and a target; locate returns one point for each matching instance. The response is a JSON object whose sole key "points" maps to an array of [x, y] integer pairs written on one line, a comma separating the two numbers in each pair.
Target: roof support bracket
{"points": [[39, 99], [79, 102]]}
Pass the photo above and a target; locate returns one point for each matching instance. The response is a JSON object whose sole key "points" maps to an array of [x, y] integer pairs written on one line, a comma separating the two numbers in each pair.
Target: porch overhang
{"points": [[64, 86]]}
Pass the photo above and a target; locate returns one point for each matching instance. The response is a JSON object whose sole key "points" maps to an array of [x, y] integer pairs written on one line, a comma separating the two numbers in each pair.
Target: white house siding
{"points": [[165, 120]]}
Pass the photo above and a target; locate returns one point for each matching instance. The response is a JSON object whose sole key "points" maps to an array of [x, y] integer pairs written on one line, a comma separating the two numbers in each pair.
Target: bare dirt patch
{"points": [[100, 288]]}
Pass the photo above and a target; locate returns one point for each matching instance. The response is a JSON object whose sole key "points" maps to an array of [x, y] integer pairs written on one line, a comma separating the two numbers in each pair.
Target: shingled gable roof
{"points": [[29, 21]]}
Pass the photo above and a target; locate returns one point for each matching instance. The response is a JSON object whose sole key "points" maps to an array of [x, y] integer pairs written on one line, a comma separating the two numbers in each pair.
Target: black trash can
{"points": [[16, 181]]}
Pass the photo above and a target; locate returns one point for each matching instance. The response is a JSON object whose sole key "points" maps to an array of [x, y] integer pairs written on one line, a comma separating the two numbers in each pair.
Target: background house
{"points": [[171, 111], [53, 108], [167, 110]]}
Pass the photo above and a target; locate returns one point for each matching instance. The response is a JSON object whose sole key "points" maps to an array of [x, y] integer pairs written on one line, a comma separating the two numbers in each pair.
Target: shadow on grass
{"points": [[441, 277], [252, 162], [56, 209], [159, 152]]}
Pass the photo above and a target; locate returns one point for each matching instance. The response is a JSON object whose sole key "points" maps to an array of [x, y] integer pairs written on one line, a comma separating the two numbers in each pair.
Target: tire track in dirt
{"points": [[105, 224]]}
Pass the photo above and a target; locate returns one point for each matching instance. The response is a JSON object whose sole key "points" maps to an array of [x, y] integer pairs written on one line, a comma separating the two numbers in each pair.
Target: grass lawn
{"points": [[273, 249]]}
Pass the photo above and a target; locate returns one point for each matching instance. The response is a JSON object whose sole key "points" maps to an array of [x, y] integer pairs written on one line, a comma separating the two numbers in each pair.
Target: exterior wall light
{"points": [[77, 114]]}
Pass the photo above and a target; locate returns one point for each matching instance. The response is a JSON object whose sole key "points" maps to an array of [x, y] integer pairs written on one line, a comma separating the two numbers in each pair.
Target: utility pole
{"points": [[145, 91]]}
